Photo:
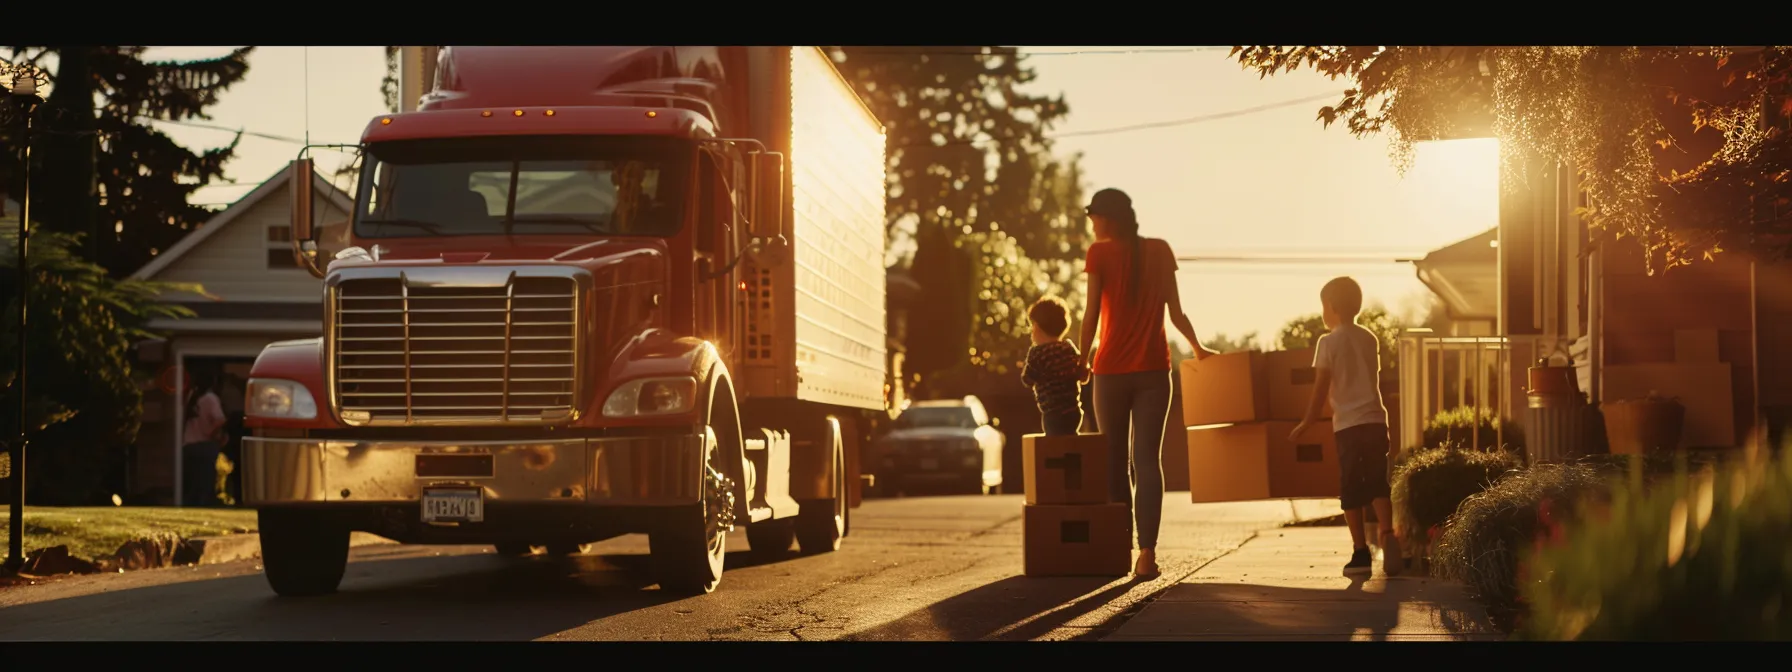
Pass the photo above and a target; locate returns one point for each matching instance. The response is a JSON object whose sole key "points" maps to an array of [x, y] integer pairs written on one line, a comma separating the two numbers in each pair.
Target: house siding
{"points": [[232, 264]]}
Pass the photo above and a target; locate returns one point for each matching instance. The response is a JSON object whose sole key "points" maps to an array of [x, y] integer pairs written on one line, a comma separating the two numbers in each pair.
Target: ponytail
{"points": [[1128, 229]]}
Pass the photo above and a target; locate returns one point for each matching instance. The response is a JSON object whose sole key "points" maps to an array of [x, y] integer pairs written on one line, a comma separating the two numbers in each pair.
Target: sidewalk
{"points": [[1288, 584]]}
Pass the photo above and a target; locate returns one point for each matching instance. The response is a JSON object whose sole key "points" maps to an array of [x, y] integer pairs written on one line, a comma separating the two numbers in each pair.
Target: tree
{"points": [[102, 170], [973, 183], [1223, 344], [85, 402], [1303, 332], [1607, 112]]}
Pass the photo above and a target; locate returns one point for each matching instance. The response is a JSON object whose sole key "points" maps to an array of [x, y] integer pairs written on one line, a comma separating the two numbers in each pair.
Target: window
{"points": [[523, 186], [279, 243]]}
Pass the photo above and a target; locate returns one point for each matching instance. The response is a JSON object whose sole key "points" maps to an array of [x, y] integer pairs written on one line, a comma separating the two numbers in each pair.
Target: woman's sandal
{"points": [[1144, 575]]}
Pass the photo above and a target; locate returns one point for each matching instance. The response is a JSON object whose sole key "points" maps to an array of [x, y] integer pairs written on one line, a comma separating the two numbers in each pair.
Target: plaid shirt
{"points": [[1052, 373]]}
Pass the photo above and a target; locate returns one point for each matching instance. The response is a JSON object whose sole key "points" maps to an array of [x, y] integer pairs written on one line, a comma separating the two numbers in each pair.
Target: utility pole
{"points": [[23, 101]]}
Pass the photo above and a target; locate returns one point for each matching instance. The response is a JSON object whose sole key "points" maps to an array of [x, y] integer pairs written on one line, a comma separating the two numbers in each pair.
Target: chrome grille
{"points": [[442, 354]]}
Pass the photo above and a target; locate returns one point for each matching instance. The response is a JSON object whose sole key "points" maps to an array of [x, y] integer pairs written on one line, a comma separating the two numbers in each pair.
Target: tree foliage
{"points": [[101, 170], [973, 183], [1221, 343], [1304, 332], [84, 401], [1607, 112]]}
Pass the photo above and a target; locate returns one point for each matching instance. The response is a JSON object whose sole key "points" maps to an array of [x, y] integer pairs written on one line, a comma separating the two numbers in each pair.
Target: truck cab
{"points": [[571, 279]]}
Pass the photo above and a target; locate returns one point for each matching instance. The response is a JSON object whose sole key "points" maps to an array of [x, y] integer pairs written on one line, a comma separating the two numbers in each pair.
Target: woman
{"points": [[202, 439], [1131, 281]]}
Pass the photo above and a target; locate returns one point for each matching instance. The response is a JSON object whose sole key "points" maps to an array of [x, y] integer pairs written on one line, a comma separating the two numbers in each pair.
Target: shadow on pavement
{"points": [[1373, 610], [479, 597], [1002, 610]]}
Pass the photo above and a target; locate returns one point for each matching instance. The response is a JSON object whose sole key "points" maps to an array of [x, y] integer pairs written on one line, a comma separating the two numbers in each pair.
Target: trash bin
{"points": [[1555, 416]]}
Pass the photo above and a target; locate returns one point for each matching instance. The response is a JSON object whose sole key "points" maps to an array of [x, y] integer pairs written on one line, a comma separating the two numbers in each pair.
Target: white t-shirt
{"points": [[1353, 355]]}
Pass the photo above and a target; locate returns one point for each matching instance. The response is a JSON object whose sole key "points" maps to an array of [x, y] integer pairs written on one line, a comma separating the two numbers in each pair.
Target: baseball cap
{"points": [[1110, 203]]}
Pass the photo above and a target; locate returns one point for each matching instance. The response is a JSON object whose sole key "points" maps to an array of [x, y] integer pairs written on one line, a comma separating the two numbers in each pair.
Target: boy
{"points": [[1052, 369], [1347, 361]]}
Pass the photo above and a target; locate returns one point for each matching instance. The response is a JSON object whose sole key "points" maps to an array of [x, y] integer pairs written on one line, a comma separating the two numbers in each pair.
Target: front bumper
{"points": [[632, 471]]}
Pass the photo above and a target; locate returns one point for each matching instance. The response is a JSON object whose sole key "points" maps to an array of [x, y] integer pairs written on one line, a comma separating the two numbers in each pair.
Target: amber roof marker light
{"points": [[486, 113], [548, 113], [651, 114], [518, 113], [386, 121]]}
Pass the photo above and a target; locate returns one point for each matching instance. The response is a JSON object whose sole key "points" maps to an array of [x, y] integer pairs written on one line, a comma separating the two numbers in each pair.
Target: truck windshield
{"points": [[522, 186]]}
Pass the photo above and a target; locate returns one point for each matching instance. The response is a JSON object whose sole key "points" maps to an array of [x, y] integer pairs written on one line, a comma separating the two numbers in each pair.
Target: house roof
{"points": [[1465, 275], [230, 214]]}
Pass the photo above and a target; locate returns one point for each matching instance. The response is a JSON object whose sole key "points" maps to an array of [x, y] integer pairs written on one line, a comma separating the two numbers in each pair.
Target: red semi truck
{"points": [[588, 292]]}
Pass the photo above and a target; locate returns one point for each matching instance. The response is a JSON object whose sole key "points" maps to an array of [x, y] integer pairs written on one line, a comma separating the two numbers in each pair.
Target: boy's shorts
{"points": [[1363, 465]]}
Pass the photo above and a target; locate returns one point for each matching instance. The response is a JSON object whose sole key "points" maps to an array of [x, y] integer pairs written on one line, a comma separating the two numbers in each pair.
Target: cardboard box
{"points": [[1253, 461], [1223, 389], [1695, 346], [1065, 469], [1288, 376], [1077, 540]]}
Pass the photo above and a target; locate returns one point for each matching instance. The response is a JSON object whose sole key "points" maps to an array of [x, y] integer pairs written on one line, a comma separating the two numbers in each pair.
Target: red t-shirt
{"points": [[1131, 339]]}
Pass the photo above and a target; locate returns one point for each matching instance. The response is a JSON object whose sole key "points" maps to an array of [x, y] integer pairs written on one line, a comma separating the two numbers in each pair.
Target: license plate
{"points": [[453, 505], [929, 463]]}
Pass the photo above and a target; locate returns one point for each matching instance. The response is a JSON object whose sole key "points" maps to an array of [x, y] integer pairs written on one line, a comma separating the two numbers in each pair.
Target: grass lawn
{"points": [[97, 531]]}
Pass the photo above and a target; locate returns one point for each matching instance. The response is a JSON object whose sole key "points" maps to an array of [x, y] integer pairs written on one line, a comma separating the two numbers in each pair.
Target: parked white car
{"points": [[948, 442]]}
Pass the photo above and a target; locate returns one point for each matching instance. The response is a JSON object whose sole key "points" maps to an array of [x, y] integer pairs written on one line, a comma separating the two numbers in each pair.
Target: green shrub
{"points": [[1430, 485], [1485, 540], [1458, 427], [1706, 556]]}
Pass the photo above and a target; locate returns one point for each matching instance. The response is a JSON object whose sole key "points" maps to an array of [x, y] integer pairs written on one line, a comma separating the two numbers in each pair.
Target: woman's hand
{"points": [[1203, 353], [1082, 370]]}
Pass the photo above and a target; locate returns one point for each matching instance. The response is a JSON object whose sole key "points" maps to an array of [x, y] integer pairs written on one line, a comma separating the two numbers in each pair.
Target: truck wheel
{"points": [[821, 523], [690, 543], [303, 553], [772, 537]]}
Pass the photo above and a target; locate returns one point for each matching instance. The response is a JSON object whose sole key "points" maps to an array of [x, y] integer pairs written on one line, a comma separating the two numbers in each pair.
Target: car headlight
{"points": [[286, 399], [652, 396]]}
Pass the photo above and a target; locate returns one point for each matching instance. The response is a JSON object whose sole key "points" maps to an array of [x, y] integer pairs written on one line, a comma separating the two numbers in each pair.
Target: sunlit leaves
{"points": [[1592, 108]]}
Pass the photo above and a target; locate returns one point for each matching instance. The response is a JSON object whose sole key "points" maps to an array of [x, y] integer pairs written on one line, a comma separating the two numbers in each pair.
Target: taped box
{"points": [[1289, 377], [1223, 389], [1253, 461], [1065, 469], [1077, 539]]}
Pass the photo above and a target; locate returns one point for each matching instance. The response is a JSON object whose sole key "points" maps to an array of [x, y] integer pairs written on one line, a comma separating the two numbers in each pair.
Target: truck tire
{"points": [[772, 537], [821, 523], [689, 544], [303, 553]]}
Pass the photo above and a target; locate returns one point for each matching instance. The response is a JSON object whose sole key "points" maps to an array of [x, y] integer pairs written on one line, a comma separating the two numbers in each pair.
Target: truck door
{"points": [[714, 249]]}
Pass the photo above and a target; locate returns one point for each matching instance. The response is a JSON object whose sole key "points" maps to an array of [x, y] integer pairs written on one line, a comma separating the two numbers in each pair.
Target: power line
{"points": [[977, 52], [1146, 126]]}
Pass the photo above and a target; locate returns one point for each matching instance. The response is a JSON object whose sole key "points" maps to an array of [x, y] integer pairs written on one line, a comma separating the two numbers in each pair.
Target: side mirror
{"points": [[301, 200], [768, 195], [304, 245]]}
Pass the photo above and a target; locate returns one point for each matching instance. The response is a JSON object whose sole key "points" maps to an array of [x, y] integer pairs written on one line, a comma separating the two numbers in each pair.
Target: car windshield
{"points": [[522, 186], [937, 416]]}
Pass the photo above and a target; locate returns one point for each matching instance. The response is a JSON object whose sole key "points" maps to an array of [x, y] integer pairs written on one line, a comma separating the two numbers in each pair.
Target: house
{"points": [[1465, 277], [259, 294], [1704, 333]]}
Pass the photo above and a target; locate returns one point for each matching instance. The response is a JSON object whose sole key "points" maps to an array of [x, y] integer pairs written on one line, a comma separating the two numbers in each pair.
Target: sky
{"points": [[1264, 181]]}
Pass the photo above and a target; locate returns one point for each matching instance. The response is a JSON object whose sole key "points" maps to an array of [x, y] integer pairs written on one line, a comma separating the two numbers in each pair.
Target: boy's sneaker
{"points": [[1361, 562]]}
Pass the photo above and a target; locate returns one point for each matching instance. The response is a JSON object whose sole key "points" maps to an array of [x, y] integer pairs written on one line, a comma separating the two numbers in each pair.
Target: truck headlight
{"points": [[652, 396], [286, 399]]}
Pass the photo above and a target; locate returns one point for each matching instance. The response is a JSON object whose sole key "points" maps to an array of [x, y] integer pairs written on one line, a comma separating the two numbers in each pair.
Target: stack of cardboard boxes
{"points": [[1071, 526], [1239, 409]]}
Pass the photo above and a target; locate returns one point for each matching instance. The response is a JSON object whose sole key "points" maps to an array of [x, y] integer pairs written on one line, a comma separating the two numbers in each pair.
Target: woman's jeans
{"points": [[1131, 409], [199, 474]]}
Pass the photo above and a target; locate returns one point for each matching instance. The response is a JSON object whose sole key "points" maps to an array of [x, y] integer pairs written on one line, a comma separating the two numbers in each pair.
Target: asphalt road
{"points": [[927, 568]]}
